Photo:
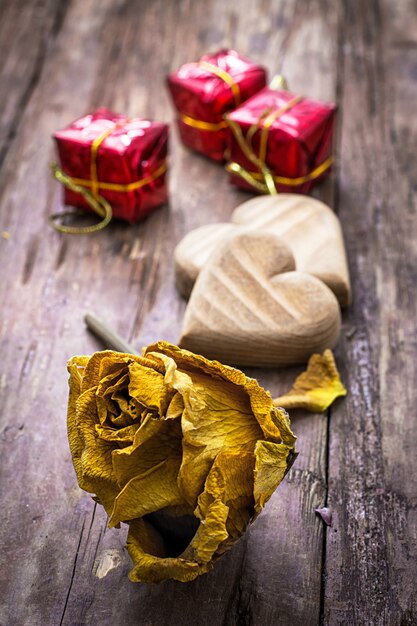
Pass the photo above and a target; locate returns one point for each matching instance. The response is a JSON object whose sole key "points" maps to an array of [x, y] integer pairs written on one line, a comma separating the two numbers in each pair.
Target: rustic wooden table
{"points": [[60, 563]]}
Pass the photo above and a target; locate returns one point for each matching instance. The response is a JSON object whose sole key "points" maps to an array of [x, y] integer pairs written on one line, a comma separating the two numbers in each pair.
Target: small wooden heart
{"points": [[248, 307], [309, 228]]}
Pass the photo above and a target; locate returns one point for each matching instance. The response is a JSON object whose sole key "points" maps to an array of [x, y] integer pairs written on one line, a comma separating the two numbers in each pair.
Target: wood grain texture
{"points": [[27, 32], [371, 548], [249, 307], [59, 562], [307, 226]]}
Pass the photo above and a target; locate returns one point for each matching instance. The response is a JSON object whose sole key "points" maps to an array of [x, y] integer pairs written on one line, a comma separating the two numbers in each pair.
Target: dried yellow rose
{"points": [[185, 450]]}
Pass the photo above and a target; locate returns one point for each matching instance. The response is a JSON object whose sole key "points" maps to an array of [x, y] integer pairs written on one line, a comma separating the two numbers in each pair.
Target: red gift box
{"points": [[203, 92], [120, 159], [278, 141]]}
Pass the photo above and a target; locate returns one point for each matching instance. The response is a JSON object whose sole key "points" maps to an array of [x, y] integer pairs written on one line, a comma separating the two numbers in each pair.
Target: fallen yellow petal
{"points": [[316, 388]]}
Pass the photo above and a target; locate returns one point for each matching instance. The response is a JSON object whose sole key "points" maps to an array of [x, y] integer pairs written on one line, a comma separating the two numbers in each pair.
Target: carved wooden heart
{"points": [[249, 308], [309, 227]]}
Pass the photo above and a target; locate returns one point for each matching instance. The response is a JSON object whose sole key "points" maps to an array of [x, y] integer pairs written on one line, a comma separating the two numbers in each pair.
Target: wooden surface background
{"points": [[60, 565]]}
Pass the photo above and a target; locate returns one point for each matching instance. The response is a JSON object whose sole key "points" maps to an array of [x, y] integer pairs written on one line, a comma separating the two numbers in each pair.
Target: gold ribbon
{"points": [[99, 206], [255, 178], [201, 125], [124, 187], [225, 76], [94, 152], [96, 202], [228, 79], [264, 180]]}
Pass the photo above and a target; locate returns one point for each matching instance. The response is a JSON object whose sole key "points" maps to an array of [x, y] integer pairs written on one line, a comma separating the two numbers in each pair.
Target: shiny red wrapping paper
{"points": [[202, 97], [298, 142], [132, 153]]}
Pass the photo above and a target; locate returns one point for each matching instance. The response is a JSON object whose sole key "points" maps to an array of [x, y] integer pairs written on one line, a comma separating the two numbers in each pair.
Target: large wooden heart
{"points": [[248, 307], [309, 227]]}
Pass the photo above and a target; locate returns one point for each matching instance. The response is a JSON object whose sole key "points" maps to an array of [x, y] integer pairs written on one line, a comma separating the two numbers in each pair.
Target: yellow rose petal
{"points": [[151, 491], [148, 387], [146, 549], [270, 468], [316, 388], [155, 441], [76, 368], [230, 481], [91, 455]]}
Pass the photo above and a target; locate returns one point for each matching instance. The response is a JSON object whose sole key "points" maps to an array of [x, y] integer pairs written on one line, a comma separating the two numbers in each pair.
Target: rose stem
{"points": [[111, 339]]}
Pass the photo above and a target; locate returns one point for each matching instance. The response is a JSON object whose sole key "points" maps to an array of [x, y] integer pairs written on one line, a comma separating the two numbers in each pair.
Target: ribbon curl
{"points": [[98, 204]]}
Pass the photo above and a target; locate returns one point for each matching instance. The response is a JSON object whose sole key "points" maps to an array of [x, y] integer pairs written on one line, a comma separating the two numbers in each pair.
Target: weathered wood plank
{"points": [[27, 30], [370, 567]]}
